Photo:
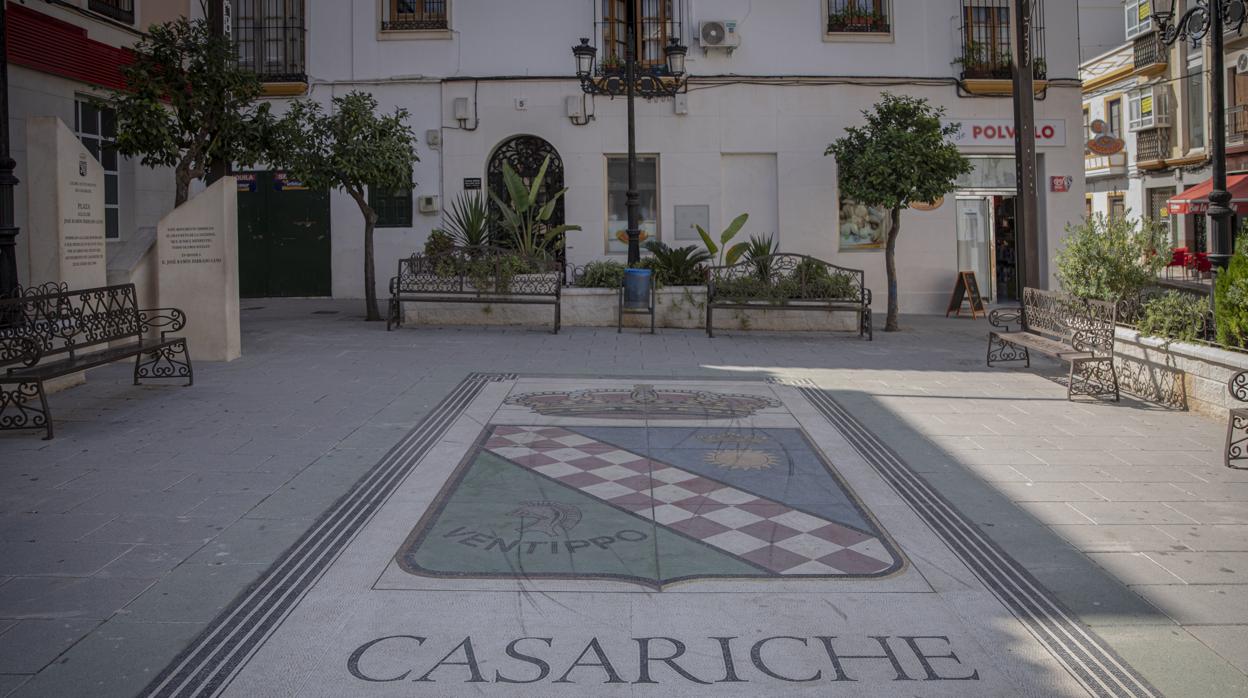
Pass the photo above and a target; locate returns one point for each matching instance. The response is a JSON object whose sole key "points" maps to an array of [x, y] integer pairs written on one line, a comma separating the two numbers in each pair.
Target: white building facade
{"points": [[484, 80]]}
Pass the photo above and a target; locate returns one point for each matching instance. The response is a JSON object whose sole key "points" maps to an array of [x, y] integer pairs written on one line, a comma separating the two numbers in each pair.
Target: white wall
{"points": [[788, 125]]}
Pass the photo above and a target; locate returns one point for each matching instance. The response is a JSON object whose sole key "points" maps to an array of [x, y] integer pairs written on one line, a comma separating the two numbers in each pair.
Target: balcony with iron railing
{"points": [[1237, 123], [655, 24], [986, 61], [1152, 146], [416, 15], [858, 17], [1151, 55], [121, 10]]}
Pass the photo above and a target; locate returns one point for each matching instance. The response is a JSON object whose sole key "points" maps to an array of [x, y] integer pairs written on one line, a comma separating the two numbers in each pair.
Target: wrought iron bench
{"points": [[1064, 327], [491, 275], [1237, 423], [49, 332], [785, 281]]}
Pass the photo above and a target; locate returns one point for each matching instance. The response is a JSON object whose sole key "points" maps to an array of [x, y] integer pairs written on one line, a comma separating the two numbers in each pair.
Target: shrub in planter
{"points": [[602, 274], [1175, 315], [1112, 258], [677, 266], [1231, 298]]}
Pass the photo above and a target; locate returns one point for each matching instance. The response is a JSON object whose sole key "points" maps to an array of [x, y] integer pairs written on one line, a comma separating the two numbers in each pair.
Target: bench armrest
{"points": [[866, 296], [1002, 318], [18, 349], [164, 319], [1238, 386]]}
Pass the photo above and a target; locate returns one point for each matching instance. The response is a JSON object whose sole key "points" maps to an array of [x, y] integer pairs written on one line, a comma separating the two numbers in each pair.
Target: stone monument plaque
{"points": [[65, 200], [197, 270]]}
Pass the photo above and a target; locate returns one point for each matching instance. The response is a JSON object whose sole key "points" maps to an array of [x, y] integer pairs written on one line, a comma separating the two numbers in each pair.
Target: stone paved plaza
{"points": [[346, 511]]}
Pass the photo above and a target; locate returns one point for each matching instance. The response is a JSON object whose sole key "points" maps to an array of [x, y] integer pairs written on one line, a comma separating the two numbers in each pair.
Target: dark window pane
{"points": [[112, 225], [108, 123], [108, 157], [110, 190], [90, 123], [93, 147]]}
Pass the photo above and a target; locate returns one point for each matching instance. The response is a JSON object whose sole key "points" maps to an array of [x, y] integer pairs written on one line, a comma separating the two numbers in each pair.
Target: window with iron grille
{"points": [[415, 15], [394, 208], [858, 16], [269, 36], [122, 10], [988, 40], [656, 20]]}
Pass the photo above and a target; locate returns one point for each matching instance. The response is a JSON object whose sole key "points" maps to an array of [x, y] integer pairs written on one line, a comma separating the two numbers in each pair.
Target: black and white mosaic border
{"points": [[204, 668], [1085, 655]]}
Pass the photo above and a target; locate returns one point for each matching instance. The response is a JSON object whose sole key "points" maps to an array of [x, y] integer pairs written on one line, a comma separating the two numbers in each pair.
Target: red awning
{"points": [[1196, 199]]}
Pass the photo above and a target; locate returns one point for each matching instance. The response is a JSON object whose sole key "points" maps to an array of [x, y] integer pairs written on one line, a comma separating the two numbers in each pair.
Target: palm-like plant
{"points": [[758, 252], [679, 266], [726, 254], [468, 221], [527, 219]]}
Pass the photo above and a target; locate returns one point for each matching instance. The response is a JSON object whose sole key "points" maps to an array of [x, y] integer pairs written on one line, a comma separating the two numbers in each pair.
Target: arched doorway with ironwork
{"points": [[525, 154]]}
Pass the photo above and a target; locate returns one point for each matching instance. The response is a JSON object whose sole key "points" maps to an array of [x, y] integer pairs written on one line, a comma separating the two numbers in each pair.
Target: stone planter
{"points": [[678, 307], [1176, 374]]}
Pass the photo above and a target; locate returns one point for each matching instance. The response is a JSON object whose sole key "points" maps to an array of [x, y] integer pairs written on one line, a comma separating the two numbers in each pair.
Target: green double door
{"points": [[283, 237]]}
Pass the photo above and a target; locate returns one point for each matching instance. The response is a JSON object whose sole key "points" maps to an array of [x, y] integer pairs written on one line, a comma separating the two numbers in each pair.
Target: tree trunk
{"points": [[371, 313], [182, 185], [890, 266]]}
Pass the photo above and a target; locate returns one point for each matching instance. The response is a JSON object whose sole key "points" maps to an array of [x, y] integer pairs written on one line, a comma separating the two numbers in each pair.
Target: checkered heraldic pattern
{"points": [[705, 498]]}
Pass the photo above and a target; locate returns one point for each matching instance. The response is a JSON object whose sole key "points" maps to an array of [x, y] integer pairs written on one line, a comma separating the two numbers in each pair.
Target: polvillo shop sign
{"points": [[1050, 133]]}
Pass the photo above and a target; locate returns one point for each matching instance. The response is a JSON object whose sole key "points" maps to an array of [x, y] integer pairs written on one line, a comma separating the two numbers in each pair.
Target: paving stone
{"points": [[1217, 537], [25, 527], [1048, 492], [1229, 641], [117, 660], [1199, 604], [1130, 512], [30, 645], [148, 561], [1205, 567], [1092, 538], [44, 597], [251, 541], [1157, 651], [1212, 512], [56, 559], [159, 529], [11, 682]]}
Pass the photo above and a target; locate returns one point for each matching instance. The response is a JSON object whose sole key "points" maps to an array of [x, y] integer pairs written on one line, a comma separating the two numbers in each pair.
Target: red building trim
{"points": [[49, 45]]}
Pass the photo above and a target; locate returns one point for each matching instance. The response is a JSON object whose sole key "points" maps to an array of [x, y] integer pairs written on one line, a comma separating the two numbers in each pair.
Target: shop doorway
{"points": [[987, 244], [283, 237]]}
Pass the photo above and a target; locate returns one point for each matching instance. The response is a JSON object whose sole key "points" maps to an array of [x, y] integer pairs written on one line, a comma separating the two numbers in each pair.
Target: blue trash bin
{"points": [[637, 284]]}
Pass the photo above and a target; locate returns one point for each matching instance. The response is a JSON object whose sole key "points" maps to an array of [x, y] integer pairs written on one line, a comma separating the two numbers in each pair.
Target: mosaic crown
{"points": [[643, 401]]}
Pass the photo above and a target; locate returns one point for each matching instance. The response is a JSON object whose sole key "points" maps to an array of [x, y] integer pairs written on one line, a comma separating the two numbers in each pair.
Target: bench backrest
{"points": [[1086, 325], [475, 271], [789, 276], [56, 320]]}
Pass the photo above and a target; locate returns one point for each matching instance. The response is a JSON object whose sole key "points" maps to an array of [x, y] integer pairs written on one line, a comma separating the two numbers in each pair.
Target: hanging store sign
{"points": [[928, 205], [1050, 133], [1104, 141]]}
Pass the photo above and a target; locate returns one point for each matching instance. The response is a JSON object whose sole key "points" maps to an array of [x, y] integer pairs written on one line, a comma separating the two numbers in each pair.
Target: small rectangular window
{"points": [[121, 10], [415, 15], [1113, 116], [394, 209], [1139, 17], [617, 210], [858, 17], [1196, 113]]}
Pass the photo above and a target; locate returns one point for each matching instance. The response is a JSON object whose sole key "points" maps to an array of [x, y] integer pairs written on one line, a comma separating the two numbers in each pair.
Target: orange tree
{"points": [[902, 155]]}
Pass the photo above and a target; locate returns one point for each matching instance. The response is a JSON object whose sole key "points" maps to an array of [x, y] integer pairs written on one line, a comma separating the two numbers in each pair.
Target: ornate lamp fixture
{"points": [[1210, 18], [628, 77]]}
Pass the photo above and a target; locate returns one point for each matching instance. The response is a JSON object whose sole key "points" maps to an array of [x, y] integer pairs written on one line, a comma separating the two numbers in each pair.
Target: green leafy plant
{"points": [[602, 274], [903, 154], [726, 254], [468, 221], [1175, 315], [526, 217], [351, 148], [1231, 298], [1111, 259], [439, 243], [758, 252], [677, 266], [188, 105]]}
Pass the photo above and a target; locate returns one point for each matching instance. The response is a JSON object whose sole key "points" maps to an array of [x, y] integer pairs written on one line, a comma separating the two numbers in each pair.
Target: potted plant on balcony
{"points": [[612, 64]]}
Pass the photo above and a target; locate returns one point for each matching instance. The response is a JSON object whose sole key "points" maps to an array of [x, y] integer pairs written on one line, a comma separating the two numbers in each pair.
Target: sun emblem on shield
{"points": [[741, 459]]}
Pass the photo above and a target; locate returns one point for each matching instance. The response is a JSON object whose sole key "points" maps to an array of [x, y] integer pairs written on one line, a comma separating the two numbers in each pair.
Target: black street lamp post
{"points": [[1210, 18], [649, 83], [8, 226]]}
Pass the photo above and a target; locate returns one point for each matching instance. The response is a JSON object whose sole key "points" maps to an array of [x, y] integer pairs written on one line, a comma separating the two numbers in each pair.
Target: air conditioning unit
{"points": [[718, 34], [1241, 64]]}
